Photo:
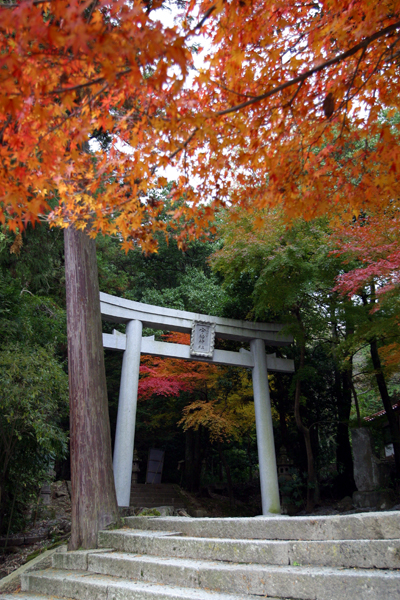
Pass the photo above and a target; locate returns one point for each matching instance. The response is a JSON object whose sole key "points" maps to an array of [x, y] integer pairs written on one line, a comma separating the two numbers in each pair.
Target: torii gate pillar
{"points": [[265, 434], [126, 418]]}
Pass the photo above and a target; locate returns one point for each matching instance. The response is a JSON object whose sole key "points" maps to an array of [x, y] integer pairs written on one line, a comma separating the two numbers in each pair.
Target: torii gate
{"points": [[203, 329]]}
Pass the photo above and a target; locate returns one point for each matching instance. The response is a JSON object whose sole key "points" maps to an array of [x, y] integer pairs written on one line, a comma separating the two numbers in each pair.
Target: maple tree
{"points": [[251, 128], [225, 414], [263, 121], [292, 275], [170, 377], [371, 247]]}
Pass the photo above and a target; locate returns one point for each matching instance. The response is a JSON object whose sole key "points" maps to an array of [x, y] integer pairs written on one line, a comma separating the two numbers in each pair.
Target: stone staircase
{"points": [[351, 557], [152, 495]]}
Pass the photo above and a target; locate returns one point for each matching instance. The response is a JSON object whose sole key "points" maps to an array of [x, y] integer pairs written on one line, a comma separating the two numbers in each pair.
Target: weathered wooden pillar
{"points": [[93, 496]]}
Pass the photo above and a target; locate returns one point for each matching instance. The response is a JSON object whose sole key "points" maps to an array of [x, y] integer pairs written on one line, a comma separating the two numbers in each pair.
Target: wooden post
{"points": [[94, 503]]}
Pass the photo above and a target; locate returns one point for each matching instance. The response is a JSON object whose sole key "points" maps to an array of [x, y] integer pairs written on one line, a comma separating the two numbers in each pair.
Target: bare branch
{"points": [[76, 111], [202, 21], [15, 5], [328, 63], [92, 8], [346, 102], [294, 95], [185, 144], [229, 90], [81, 86]]}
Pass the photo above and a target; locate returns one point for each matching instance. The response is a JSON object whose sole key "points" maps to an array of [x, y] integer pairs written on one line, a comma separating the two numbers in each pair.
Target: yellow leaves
{"points": [[16, 245], [69, 101], [258, 222], [162, 181], [225, 416], [179, 54]]}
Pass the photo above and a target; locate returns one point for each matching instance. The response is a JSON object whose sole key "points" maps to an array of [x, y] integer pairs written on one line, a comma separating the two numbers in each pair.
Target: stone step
{"points": [[158, 497], [142, 488], [161, 500], [287, 558], [153, 495], [26, 596], [79, 585], [150, 492], [296, 582], [367, 554], [361, 526]]}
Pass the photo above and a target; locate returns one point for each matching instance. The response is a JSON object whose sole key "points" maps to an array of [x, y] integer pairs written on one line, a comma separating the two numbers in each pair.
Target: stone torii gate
{"points": [[204, 329]]}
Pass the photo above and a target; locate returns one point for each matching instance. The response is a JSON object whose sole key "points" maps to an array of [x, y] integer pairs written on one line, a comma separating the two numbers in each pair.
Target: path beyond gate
{"points": [[204, 329]]}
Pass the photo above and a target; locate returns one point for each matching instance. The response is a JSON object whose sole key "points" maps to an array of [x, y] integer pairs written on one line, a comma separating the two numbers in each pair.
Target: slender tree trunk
{"points": [[357, 404], [94, 504], [387, 404], [248, 450], [312, 484], [282, 398], [189, 460], [197, 460], [344, 482], [223, 460], [380, 380]]}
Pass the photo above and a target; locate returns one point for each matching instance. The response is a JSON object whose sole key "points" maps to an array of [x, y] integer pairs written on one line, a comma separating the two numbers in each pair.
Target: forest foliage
{"points": [[256, 273], [286, 131]]}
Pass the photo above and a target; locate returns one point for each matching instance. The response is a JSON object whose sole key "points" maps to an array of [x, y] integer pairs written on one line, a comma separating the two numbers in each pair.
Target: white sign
{"points": [[202, 340], [389, 450]]}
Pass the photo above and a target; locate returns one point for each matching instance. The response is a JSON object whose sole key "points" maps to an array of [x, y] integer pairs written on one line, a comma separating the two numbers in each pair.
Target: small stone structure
{"points": [[204, 330], [368, 475]]}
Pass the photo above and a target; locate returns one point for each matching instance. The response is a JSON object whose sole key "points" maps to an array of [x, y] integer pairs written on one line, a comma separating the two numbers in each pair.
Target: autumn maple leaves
{"points": [[246, 132]]}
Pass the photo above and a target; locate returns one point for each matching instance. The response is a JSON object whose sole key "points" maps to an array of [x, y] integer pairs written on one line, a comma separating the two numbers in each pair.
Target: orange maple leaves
{"points": [[246, 128]]}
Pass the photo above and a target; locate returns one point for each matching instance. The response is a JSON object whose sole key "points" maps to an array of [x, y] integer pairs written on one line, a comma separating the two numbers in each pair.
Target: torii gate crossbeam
{"points": [[136, 315]]}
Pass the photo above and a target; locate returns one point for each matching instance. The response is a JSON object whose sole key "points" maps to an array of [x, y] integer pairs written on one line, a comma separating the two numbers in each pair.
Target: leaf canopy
{"points": [[264, 119]]}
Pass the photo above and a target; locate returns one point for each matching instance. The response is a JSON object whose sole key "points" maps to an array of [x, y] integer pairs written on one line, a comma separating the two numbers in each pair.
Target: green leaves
{"points": [[33, 401]]}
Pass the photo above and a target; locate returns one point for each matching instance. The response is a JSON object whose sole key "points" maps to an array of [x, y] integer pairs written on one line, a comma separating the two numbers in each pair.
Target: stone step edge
{"points": [[29, 596], [276, 582], [80, 580], [381, 525], [366, 554], [197, 564]]}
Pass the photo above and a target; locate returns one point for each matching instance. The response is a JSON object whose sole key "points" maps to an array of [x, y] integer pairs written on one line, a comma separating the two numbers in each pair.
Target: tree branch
{"points": [[15, 5], [184, 145], [81, 86], [203, 20], [300, 78]]}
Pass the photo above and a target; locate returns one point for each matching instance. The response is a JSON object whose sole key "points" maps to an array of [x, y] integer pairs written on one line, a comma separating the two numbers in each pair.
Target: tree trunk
{"points": [[197, 460], [223, 460], [94, 504], [312, 484], [380, 380], [282, 409], [345, 484], [387, 404]]}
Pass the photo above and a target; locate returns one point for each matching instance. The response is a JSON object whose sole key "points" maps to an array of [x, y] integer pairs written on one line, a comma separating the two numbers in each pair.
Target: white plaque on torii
{"points": [[202, 339]]}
